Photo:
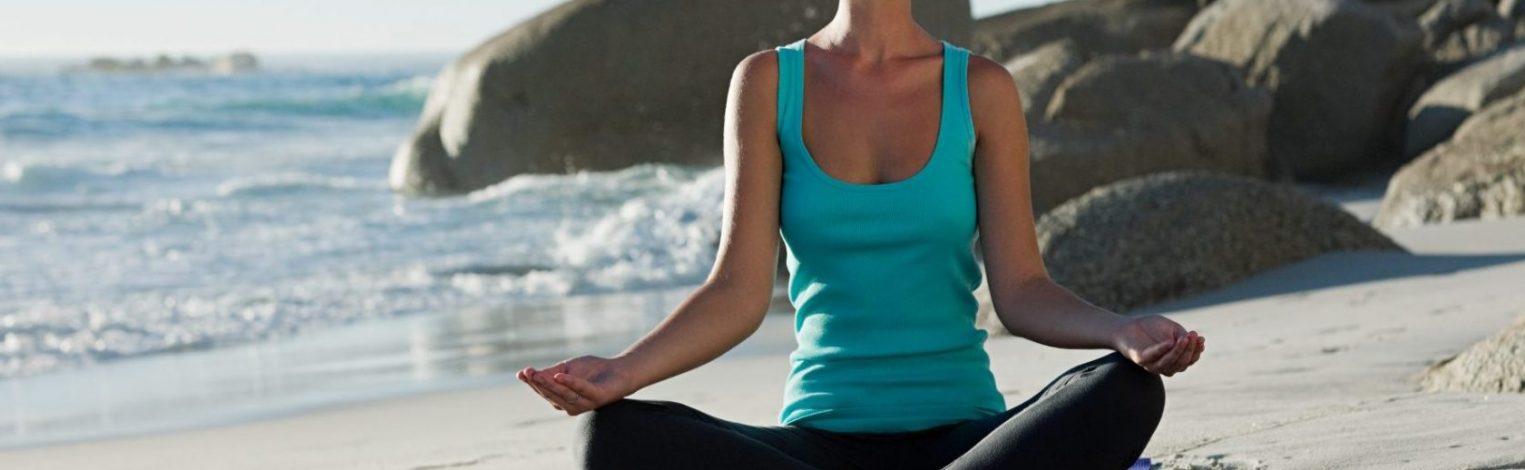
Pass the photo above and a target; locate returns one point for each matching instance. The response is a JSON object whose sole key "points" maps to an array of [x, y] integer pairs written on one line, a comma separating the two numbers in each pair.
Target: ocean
{"points": [[188, 249]]}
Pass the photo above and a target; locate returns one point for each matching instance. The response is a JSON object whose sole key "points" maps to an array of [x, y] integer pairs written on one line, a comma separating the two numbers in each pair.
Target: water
{"points": [[151, 223]]}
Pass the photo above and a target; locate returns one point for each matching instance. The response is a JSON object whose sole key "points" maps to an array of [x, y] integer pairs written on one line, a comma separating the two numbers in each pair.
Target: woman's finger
{"points": [[567, 398], [578, 385], [537, 382], [1188, 350], [1153, 353], [1164, 365], [544, 395], [1199, 345]]}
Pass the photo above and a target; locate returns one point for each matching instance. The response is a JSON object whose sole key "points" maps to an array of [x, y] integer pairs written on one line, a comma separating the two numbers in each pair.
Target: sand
{"points": [[1310, 365]]}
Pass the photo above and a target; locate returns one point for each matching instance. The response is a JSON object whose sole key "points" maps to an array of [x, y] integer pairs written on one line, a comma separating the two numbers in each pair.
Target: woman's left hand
{"points": [[1158, 344]]}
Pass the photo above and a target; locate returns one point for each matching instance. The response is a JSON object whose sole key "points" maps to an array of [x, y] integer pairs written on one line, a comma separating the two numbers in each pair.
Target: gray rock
{"points": [[1338, 70], [1404, 8], [1123, 116], [1445, 105], [1512, 9], [1160, 237], [1458, 32], [1096, 26], [602, 85], [1494, 365], [1038, 74], [1479, 173]]}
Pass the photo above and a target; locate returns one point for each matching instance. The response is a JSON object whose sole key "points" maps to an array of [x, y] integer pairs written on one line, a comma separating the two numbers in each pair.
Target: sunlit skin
{"points": [[873, 104]]}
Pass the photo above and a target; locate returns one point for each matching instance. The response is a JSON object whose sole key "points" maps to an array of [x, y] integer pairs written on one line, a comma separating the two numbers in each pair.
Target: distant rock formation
{"points": [[1493, 365], [1339, 71], [601, 85], [237, 62]]}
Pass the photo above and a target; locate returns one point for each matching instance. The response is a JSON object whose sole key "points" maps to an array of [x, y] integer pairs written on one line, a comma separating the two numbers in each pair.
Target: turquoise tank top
{"points": [[882, 278]]}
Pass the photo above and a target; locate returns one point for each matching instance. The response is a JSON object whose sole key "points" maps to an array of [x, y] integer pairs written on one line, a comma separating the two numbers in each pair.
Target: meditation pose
{"points": [[877, 154]]}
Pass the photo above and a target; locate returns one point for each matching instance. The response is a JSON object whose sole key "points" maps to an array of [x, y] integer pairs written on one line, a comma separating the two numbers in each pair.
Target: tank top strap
{"points": [[957, 118], [957, 113], [791, 81]]}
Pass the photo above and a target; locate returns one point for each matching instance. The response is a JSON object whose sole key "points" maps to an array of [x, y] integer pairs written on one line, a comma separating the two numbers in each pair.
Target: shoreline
{"points": [[1300, 378]]}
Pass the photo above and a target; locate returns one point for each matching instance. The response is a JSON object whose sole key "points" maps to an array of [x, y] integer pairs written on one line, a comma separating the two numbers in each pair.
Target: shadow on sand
{"points": [[1333, 270]]}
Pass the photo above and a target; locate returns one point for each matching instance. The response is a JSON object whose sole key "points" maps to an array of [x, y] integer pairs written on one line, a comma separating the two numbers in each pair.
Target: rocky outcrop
{"points": [[1479, 173], [1038, 74], [1160, 237], [1494, 365], [1123, 116], [1457, 32], [1448, 103], [1338, 70], [1096, 26], [601, 85]]}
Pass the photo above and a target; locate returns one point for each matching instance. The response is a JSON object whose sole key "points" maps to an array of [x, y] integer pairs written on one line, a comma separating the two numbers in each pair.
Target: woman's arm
{"points": [[1027, 301], [729, 306]]}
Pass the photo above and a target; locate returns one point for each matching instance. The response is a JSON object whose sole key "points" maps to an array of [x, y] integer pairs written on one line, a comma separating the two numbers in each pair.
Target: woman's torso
{"points": [[882, 276]]}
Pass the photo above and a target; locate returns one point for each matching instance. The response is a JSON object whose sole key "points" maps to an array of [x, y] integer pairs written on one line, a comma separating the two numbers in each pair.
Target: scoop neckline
{"points": [[937, 145]]}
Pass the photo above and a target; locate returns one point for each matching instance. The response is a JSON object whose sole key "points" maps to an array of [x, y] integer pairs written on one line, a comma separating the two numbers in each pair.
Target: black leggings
{"points": [[1099, 414]]}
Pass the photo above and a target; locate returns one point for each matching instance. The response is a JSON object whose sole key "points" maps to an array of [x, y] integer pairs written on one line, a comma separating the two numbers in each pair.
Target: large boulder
{"points": [[1457, 32], [1494, 365], [1096, 26], [602, 84], [1451, 101], [1338, 69], [1123, 116], [1039, 72], [1479, 173], [1164, 236]]}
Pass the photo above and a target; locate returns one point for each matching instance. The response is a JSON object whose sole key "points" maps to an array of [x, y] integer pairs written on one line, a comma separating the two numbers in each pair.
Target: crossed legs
{"points": [[1099, 414]]}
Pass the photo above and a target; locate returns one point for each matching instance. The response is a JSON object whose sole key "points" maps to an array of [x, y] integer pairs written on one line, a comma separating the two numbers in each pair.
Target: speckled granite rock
{"points": [[1494, 365], [1160, 237]]}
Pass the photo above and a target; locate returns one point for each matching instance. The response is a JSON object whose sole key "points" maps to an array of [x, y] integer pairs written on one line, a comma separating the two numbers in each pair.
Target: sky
{"points": [[64, 28]]}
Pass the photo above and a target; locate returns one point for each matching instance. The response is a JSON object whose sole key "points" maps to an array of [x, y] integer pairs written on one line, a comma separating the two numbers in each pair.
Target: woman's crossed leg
{"points": [[1099, 414]]}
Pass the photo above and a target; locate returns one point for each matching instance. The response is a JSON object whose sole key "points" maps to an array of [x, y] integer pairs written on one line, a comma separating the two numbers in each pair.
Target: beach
{"points": [[1311, 365], [319, 259]]}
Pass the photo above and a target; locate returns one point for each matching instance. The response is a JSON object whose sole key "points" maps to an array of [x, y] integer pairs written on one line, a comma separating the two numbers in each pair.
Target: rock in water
{"points": [[1479, 173], [1096, 26], [1164, 236], [1123, 116], [605, 84], [1495, 365], [1338, 69], [1451, 101]]}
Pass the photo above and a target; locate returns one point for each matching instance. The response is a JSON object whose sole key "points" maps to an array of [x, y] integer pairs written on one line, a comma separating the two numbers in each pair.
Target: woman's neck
{"points": [[874, 30]]}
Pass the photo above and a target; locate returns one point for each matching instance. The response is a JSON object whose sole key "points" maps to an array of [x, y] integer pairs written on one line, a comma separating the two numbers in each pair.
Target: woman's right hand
{"points": [[581, 383]]}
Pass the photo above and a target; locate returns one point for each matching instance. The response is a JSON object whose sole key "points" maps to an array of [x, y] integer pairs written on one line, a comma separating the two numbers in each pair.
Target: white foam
{"points": [[286, 183]]}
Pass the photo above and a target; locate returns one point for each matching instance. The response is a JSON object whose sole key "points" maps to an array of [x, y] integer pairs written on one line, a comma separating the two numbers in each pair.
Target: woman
{"points": [[876, 180]]}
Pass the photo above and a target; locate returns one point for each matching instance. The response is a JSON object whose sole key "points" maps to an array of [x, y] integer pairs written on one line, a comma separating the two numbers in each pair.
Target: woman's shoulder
{"points": [[757, 65], [988, 76]]}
